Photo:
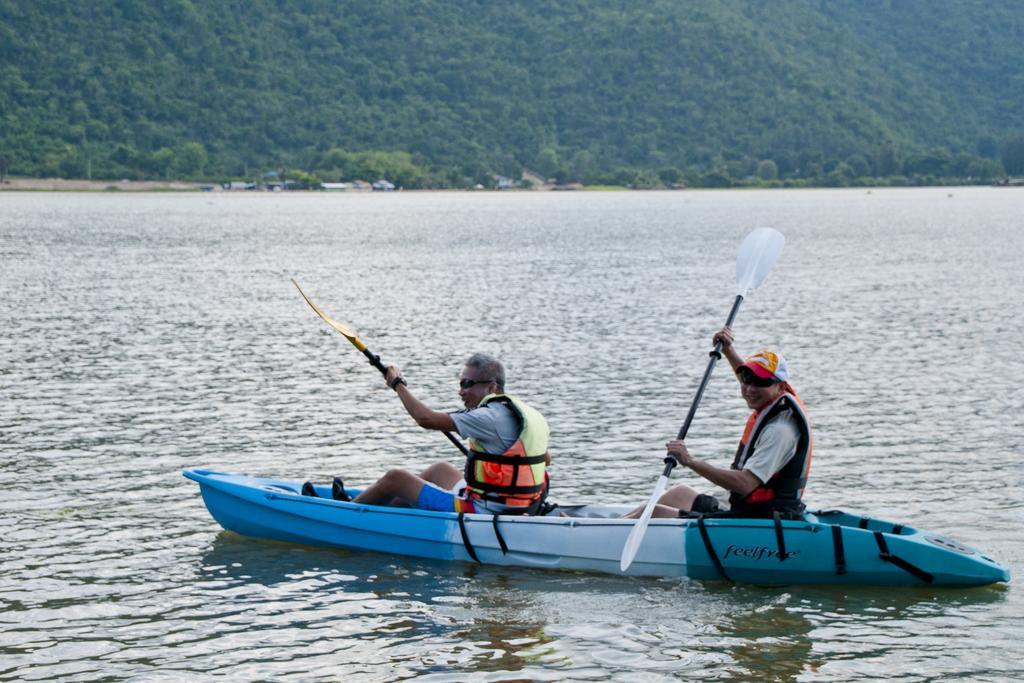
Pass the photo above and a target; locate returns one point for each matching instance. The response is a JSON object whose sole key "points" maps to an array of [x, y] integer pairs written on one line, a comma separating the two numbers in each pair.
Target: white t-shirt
{"points": [[775, 446]]}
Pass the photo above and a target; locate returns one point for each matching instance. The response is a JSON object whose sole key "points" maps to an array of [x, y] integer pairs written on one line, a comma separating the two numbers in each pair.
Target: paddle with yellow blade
{"points": [[758, 253], [358, 343]]}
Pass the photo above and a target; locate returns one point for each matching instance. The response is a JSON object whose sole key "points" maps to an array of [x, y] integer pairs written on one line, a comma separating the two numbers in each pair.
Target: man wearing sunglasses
{"points": [[770, 469], [508, 440]]}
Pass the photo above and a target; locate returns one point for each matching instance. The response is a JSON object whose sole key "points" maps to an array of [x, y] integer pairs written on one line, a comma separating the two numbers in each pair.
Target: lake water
{"points": [[141, 335]]}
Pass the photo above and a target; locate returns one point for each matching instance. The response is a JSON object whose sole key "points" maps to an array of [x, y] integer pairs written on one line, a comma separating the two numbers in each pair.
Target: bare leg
{"points": [[394, 484], [442, 474], [677, 498], [659, 511], [680, 497]]}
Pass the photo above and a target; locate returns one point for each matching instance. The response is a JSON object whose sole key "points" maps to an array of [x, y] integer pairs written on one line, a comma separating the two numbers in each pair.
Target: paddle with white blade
{"points": [[758, 253]]}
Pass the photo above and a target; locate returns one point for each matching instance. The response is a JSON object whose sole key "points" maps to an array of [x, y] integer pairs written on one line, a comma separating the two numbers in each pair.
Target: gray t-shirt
{"points": [[494, 426], [776, 446]]}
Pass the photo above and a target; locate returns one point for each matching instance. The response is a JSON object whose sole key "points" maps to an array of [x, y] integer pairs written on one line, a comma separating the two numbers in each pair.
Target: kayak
{"points": [[825, 547]]}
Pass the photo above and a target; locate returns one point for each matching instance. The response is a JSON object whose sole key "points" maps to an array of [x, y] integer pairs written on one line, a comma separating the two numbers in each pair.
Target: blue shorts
{"points": [[433, 497]]}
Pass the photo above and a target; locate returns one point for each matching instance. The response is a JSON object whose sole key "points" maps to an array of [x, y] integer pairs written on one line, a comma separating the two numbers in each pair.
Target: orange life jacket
{"points": [[518, 477], [782, 492]]}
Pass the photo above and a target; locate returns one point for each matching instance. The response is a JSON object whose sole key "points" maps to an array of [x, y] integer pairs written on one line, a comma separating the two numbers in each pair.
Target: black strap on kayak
{"points": [[897, 529], [779, 538], [546, 508], [711, 549], [465, 538], [883, 552], [497, 533], [837, 548], [863, 524]]}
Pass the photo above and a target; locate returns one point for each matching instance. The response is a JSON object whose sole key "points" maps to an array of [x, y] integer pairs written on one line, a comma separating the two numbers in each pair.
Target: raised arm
{"points": [[425, 417], [724, 335]]}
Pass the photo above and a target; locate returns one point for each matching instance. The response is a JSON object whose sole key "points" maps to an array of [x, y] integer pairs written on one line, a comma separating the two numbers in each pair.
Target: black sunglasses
{"points": [[745, 376], [469, 383]]}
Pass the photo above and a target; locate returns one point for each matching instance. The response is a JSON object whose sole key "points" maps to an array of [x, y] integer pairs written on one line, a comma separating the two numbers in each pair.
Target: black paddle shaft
{"points": [[716, 353], [375, 362]]}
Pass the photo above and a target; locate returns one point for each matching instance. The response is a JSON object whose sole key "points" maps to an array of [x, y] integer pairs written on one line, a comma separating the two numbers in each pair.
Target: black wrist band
{"points": [[395, 382]]}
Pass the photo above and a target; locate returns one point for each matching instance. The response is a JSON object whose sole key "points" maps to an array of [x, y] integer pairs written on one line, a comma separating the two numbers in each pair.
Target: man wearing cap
{"points": [[769, 471]]}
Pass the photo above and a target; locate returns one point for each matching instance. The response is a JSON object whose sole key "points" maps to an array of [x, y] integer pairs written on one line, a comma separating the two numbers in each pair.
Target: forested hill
{"points": [[436, 92]]}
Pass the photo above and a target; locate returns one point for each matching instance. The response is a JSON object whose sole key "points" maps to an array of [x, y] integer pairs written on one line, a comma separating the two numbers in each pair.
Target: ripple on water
{"points": [[147, 334]]}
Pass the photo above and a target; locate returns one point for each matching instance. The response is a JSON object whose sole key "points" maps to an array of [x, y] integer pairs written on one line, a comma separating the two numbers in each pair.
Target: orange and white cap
{"points": [[767, 365]]}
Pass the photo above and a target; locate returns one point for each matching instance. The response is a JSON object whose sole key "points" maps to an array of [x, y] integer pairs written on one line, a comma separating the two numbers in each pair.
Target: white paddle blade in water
{"points": [[636, 536], [758, 254]]}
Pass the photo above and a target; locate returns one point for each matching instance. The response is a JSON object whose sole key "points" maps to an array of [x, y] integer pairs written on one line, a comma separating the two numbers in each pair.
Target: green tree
{"points": [[960, 163], [671, 176], [547, 163], [622, 177], [767, 170], [719, 177], [859, 166], [159, 162], [189, 160], [840, 176], [886, 160], [581, 166], [741, 168], [646, 180], [987, 146], [934, 162], [300, 180], [126, 155], [1011, 152], [395, 167], [471, 89], [985, 170]]}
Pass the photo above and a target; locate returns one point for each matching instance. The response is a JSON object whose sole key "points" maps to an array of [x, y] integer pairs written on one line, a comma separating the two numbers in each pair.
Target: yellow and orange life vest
{"points": [[518, 477]]}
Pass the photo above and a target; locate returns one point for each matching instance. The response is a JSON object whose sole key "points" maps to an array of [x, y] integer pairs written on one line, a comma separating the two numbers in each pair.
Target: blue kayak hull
{"points": [[823, 548]]}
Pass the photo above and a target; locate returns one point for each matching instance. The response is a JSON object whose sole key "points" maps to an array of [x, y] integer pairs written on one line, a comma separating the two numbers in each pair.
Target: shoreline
{"points": [[19, 184], [66, 185]]}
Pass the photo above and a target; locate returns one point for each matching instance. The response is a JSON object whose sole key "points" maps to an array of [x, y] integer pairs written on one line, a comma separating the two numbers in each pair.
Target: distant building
{"points": [[503, 183], [239, 185], [335, 187], [383, 186]]}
